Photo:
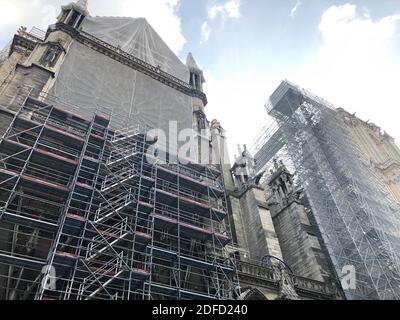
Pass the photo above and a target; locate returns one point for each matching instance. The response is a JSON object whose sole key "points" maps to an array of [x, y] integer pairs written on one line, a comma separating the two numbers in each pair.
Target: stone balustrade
{"points": [[301, 284]]}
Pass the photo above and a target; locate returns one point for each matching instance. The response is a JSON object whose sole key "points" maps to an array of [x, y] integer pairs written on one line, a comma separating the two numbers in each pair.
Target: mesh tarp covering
{"points": [[88, 79], [358, 220], [137, 37]]}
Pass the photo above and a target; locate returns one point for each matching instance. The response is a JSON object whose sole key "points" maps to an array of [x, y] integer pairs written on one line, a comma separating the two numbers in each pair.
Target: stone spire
{"points": [[196, 75], [66, 16], [83, 4], [80, 5], [191, 63]]}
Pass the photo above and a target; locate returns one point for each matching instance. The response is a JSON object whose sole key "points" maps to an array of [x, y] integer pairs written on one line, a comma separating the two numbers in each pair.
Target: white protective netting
{"points": [[89, 79], [137, 37]]}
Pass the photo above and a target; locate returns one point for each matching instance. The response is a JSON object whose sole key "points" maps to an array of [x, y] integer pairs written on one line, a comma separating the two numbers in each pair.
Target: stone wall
{"points": [[23, 71], [300, 247], [253, 226], [379, 148]]}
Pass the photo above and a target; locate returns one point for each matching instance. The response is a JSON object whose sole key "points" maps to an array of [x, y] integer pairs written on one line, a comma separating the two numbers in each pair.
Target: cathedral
{"points": [[99, 202]]}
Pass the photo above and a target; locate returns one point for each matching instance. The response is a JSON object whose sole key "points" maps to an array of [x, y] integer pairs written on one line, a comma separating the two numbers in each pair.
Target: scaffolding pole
{"points": [[358, 220], [83, 198]]}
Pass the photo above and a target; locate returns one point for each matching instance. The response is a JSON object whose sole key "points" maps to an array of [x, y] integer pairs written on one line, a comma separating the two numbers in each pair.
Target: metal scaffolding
{"points": [[87, 213], [359, 222]]}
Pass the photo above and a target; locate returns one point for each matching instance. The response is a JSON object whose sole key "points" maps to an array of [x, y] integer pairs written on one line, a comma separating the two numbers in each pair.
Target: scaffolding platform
{"points": [[90, 203], [358, 220]]}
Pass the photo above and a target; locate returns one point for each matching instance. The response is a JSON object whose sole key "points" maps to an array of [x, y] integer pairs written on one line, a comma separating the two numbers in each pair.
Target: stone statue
{"points": [[249, 159], [281, 188], [287, 289], [276, 193], [276, 166], [22, 30], [258, 178], [244, 168], [50, 57], [282, 165], [245, 165], [289, 183]]}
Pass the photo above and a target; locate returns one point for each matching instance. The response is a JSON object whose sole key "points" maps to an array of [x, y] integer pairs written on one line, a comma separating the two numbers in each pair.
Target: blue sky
{"points": [[348, 52]]}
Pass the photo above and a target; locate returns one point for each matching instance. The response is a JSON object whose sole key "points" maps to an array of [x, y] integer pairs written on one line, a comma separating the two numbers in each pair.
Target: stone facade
{"points": [[255, 232], [301, 245], [269, 229], [31, 67], [379, 148]]}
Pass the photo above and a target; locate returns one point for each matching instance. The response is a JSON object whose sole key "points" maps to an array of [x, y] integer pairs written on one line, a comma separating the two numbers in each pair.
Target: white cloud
{"points": [[161, 14], [357, 67], [295, 8], [228, 9], [37, 13], [205, 31], [8, 12]]}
